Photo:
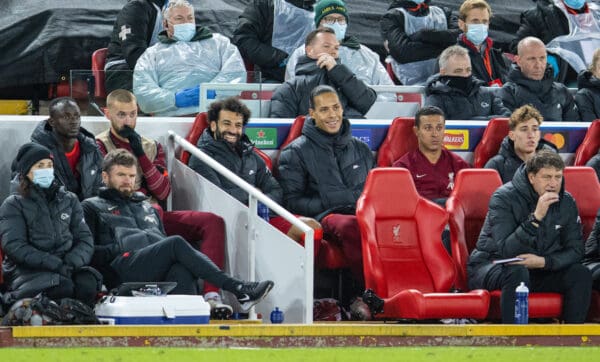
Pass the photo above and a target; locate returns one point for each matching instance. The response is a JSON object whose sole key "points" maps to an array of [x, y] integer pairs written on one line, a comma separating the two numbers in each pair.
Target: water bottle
{"points": [[36, 319], [263, 211], [522, 304], [276, 316]]}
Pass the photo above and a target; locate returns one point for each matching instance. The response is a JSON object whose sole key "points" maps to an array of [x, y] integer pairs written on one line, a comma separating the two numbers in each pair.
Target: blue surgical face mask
{"points": [[43, 177], [575, 4], [184, 32], [340, 30], [477, 33]]}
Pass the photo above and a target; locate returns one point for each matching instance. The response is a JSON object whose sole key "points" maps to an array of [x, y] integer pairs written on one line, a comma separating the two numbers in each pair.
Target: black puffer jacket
{"points": [[551, 98], [588, 96], [507, 232], [506, 162], [594, 162], [254, 33], [292, 97], [544, 21], [474, 102], [40, 233], [424, 44], [592, 245], [319, 171], [244, 162], [89, 166], [119, 225]]}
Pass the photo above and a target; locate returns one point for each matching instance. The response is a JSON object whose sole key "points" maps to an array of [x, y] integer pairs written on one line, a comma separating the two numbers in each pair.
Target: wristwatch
{"points": [[532, 219]]}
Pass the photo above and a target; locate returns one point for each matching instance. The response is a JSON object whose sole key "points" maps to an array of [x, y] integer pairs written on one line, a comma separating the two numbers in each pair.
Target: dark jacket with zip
{"points": [[588, 96]]}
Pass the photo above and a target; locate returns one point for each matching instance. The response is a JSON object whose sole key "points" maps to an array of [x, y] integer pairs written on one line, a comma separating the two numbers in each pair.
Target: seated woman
{"points": [[588, 95], [46, 243]]}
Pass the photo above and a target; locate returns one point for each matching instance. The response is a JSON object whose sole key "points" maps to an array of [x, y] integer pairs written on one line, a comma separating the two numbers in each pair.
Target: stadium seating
{"points": [[490, 142], [399, 140], [589, 146], [295, 132], [404, 260], [98, 61], [467, 207], [200, 124], [582, 183]]}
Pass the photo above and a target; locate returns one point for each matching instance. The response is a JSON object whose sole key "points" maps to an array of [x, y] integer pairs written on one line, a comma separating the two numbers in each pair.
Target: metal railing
{"points": [[255, 195]]}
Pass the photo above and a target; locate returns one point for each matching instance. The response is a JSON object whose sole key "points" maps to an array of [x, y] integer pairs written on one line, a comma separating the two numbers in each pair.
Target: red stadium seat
{"points": [[467, 207], [490, 142], [400, 139], [295, 132], [404, 260], [589, 146], [390, 71], [582, 183], [98, 61]]}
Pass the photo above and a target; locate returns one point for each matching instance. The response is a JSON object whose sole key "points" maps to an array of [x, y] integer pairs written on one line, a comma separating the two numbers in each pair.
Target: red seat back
{"points": [[98, 61], [589, 146], [200, 124], [490, 142], [295, 132], [390, 71], [400, 139], [582, 183], [467, 208], [401, 236]]}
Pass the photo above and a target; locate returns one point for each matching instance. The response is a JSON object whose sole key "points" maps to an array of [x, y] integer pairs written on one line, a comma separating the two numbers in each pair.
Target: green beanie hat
{"points": [[326, 7]]}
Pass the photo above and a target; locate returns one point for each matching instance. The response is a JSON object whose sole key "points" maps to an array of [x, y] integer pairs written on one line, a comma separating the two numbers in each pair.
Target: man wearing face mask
{"points": [[321, 66], [361, 60], [46, 243], [269, 30], [489, 64], [458, 93], [167, 77]]}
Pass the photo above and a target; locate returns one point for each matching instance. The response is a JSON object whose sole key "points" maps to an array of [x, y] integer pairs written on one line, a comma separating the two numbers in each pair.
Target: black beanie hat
{"points": [[29, 154]]}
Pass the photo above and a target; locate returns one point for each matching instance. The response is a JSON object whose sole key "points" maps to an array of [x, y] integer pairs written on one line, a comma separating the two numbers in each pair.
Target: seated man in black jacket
{"points": [[458, 93], [77, 159], [319, 66], [534, 219], [130, 244], [523, 141], [530, 81]]}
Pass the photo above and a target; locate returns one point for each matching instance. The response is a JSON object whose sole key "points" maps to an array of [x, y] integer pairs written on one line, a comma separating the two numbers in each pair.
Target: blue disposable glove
{"points": [[188, 97], [553, 61]]}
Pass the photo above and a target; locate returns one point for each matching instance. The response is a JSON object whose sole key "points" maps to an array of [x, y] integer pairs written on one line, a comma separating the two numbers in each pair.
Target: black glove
{"points": [[66, 271], [135, 141]]}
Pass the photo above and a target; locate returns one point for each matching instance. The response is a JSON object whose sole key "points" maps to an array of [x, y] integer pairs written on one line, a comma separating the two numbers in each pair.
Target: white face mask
{"points": [[184, 32], [340, 30]]}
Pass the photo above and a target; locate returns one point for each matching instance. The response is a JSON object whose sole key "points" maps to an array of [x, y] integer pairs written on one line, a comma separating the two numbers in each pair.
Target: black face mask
{"points": [[303, 4], [463, 83]]}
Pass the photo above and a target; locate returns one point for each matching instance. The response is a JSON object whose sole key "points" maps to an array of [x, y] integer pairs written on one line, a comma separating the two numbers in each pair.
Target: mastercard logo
{"points": [[557, 138]]}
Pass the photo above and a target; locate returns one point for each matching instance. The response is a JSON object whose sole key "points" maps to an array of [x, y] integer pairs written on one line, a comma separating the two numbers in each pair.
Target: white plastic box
{"points": [[165, 309]]}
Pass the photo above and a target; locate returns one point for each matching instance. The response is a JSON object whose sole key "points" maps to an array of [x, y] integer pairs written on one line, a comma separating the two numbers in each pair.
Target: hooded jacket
{"points": [[320, 172], [242, 161], [424, 44], [471, 102], [507, 232], [551, 98], [89, 165], [506, 162], [291, 99], [588, 96], [41, 232]]}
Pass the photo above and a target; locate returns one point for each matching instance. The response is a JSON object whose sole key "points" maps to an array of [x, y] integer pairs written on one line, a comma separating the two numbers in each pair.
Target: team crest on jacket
{"points": [[450, 180], [396, 233], [64, 216]]}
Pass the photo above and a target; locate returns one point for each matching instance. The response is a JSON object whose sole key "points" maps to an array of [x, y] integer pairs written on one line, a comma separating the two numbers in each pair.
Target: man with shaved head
{"points": [[530, 81]]}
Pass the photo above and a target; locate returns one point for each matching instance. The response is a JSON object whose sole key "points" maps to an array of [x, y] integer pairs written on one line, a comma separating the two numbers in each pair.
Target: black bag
{"points": [[41, 310]]}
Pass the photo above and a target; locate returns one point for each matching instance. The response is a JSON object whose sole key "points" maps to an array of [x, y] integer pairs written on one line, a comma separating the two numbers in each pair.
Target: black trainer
{"points": [[250, 293]]}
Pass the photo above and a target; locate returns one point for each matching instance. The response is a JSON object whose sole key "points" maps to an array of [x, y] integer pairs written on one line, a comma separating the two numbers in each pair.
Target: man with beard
{"points": [[530, 81], [77, 160], [523, 141], [130, 244], [226, 142], [206, 231], [458, 93], [319, 66]]}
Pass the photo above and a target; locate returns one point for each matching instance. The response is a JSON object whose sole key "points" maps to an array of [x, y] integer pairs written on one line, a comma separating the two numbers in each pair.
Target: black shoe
{"points": [[250, 293], [374, 302]]}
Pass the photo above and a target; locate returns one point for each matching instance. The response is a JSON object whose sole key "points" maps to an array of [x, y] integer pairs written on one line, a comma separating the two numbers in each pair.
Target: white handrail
{"points": [[255, 195]]}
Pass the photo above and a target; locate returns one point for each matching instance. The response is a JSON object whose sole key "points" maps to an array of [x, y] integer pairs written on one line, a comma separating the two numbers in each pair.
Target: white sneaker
{"points": [[218, 310]]}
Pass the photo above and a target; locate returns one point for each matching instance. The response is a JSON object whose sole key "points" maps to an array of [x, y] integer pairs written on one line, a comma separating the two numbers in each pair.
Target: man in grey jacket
{"points": [[321, 65], [536, 221]]}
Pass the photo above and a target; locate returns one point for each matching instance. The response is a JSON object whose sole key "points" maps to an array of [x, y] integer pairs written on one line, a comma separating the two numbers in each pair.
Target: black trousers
{"points": [[172, 259], [574, 282], [118, 77], [83, 285]]}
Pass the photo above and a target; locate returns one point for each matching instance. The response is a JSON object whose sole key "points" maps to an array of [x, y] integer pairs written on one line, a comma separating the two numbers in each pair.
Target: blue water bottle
{"points": [[276, 316], [522, 304], [263, 211]]}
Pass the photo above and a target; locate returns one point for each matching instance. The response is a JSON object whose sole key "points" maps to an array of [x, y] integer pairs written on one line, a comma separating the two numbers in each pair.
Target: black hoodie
{"points": [[588, 96]]}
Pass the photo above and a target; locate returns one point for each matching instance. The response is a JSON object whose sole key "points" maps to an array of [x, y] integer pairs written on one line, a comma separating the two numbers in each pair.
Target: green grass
{"points": [[429, 354]]}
